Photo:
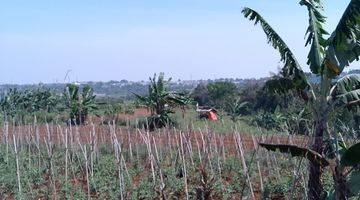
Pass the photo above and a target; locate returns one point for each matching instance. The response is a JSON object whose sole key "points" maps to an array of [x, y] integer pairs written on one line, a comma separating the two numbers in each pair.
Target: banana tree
{"points": [[44, 100], [79, 105], [235, 108], [327, 59], [11, 103], [161, 102], [18, 104]]}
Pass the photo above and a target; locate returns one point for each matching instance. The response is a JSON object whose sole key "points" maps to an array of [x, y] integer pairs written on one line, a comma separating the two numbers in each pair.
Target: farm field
{"points": [[127, 150], [109, 162], [179, 100]]}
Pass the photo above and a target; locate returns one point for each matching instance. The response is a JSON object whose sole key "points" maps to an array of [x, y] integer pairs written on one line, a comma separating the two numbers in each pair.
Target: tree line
{"points": [[16, 105]]}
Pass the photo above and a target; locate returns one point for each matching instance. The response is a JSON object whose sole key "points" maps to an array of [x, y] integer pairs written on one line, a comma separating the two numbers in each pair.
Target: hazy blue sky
{"points": [[131, 39]]}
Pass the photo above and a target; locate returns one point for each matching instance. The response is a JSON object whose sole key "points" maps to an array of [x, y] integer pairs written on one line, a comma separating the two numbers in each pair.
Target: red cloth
{"points": [[212, 116]]}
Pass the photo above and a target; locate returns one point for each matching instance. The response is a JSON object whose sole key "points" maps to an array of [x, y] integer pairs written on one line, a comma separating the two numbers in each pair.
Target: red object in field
{"points": [[212, 116], [206, 112]]}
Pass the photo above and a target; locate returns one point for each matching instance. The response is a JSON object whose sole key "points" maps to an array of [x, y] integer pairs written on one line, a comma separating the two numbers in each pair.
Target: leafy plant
{"points": [[161, 102], [111, 111], [201, 94], [79, 104], [221, 92], [269, 120], [16, 104], [327, 59], [11, 103], [236, 108]]}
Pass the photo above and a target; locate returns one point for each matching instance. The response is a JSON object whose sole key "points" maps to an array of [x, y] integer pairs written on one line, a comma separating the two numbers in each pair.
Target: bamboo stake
{"points": [[6, 135], [66, 162], [198, 147], [84, 151], [242, 155], [17, 167], [49, 147], [256, 147], [129, 140], [162, 183], [118, 159], [184, 167]]}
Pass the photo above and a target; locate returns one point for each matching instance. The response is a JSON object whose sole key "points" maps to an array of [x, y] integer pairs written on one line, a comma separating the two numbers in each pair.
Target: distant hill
{"points": [[125, 89]]}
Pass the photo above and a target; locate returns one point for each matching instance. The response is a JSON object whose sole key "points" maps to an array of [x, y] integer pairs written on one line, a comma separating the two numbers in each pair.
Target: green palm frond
{"points": [[351, 98], [315, 34], [348, 26], [235, 108], [279, 85], [140, 98], [273, 38], [297, 151], [344, 45], [291, 69], [346, 91], [351, 156]]}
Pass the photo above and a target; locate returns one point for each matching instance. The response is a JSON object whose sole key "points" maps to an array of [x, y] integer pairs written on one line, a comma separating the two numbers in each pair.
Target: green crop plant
{"points": [[17, 104], [161, 102], [235, 109], [79, 104]]}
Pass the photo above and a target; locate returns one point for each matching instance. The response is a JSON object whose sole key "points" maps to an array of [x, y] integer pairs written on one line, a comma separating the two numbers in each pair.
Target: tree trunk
{"points": [[341, 189], [315, 188], [78, 119]]}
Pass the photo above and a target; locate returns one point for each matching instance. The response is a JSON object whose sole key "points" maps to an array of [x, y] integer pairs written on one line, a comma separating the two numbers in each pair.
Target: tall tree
{"points": [[327, 59], [222, 92], [201, 94]]}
